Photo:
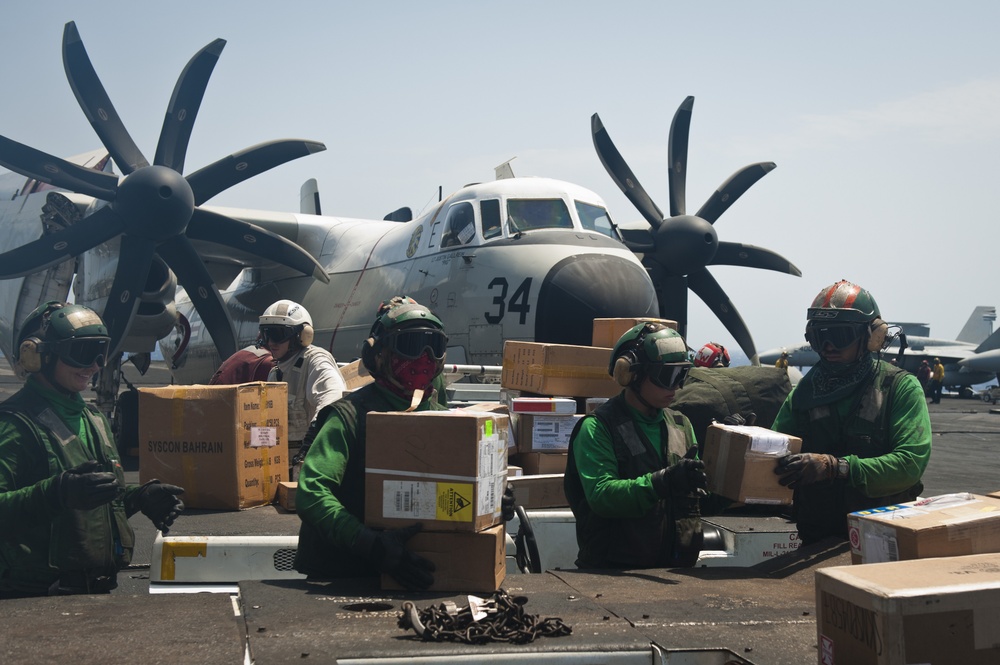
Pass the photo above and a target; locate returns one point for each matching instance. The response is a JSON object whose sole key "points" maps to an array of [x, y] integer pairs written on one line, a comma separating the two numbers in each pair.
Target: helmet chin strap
{"points": [[634, 389]]}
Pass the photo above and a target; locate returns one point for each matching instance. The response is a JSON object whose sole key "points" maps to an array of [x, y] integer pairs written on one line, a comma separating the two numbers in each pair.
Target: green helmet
{"points": [[843, 302], [74, 333], [425, 332], [650, 350]]}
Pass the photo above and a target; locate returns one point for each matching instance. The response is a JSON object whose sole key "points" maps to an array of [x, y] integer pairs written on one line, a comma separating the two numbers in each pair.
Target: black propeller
{"points": [[676, 250], [154, 208]]}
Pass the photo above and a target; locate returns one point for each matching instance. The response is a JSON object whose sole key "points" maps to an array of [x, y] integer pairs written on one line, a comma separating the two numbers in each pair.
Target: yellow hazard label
{"points": [[454, 502]]}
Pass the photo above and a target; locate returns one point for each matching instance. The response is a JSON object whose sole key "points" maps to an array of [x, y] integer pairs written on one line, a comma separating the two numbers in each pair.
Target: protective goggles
{"points": [[277, 334], [412, 342], [837, 335], [669, 377], [82, 352]]}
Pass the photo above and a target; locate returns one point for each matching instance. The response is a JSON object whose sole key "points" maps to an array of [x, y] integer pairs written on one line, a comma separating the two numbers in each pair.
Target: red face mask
{"points": [[414, 374]]}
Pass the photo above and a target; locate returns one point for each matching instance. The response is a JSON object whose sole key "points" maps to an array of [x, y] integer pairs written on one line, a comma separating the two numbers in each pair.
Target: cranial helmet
{"points": [[403, 327], [650, 350], [842, 313], [287, 320], [712, 354], [72, 333]]}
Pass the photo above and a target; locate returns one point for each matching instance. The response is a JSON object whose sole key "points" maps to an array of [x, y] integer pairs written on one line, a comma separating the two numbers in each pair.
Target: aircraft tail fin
{"points": [[309, 198], [979, 326], [990, 343]]}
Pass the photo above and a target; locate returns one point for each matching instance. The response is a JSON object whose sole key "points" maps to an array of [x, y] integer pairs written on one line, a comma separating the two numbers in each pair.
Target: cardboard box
{"points": [[557, 369], [444, 469], [355, 375], [907, 612], [740, 461], [514, 471], [548, 433], [463, 562], [941, 526], [539, 491], [534, 464], [607, 332], [543, 405], [226, 445], [286, 495]]}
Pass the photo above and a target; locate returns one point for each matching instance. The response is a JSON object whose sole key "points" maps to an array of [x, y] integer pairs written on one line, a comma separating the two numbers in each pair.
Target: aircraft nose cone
{"points": [[580, 289]]}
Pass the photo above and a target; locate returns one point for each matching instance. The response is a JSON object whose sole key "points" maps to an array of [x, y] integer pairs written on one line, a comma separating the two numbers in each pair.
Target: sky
{"points": [[883, 119]]}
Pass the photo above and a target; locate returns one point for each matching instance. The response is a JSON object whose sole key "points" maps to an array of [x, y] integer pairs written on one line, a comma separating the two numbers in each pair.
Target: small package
{"points": [[740, 462], [539, 491]]}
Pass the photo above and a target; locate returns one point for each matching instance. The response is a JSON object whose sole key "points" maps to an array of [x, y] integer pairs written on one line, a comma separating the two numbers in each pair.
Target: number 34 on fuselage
{"points": [[520, 258]]}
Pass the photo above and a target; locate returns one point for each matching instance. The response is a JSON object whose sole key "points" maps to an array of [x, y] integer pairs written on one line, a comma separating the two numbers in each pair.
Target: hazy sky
{"points": [[883, 119]]}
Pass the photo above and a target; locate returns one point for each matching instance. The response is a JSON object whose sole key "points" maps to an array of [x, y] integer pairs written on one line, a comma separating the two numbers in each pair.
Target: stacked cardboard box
{"points": [[445, 470], [227, 446], [740, 462], [921, 611], [607, 332]]}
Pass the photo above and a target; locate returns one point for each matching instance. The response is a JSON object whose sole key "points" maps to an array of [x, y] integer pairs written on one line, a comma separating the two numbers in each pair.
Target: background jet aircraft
{"points": [[970, 359], [519, 258]]}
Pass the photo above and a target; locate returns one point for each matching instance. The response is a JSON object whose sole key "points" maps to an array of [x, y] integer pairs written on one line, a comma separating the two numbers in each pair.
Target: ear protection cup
{"points": [[368, 355], [623, 373], [307, 335], [30, 356], [877, 332]]}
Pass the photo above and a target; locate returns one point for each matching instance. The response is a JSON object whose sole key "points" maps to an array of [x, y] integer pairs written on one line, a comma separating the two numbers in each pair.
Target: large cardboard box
{"points": [[548, 433], [463, 562], [227, 446], [557, 369], [534, 464], [607, 332], [940, 526], [539, 491], [740, 461], [908, 612], [444, 469]]}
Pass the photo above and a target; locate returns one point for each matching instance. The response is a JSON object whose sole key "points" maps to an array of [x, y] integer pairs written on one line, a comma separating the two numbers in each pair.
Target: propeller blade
{"points": [[677, 153], [750, 256], [134, 259], [52, 249], [234, 169], [638, 240], [183, 107], [732, 189], [706, 288], [671, 295], [240, 235], [191, 273], [58, 172], [619, 171], [97, 105]]}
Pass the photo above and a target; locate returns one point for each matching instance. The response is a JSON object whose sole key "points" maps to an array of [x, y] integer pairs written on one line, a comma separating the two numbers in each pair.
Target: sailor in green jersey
{"points": [[64, 503], [865, 430]]}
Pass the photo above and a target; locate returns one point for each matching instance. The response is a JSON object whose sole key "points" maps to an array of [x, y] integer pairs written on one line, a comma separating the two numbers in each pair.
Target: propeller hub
{"points": [[685, 244], [155, 202]]}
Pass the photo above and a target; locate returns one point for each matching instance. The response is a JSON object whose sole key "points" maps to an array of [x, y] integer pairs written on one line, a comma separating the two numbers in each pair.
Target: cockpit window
{"points": [[489, 210], [460, 225], [530, 214], [595, 218]]}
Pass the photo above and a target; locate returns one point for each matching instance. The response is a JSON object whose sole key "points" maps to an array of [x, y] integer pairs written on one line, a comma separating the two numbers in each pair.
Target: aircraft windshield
{"points": [[531, 214], [595, 218]]}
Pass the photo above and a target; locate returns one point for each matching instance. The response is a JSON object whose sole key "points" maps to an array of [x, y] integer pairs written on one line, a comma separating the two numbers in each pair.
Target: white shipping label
{"points": [[263, 437], [879, 542], [409, 499], [489, 491], [552, 432]]}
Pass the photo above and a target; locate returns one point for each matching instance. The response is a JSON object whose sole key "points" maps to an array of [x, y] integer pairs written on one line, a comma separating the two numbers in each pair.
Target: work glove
{"points": [[683, 479], [158, 501], [387, 549], [86, 487], [805, 469], [738, 419], [507, 504]]}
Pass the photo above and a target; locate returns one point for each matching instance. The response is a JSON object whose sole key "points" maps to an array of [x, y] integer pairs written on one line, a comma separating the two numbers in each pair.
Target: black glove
{"points": [[159, 503], [507, 503], [388, 552], [680, 480], [738, 419], [86, 487], [805, 469]]}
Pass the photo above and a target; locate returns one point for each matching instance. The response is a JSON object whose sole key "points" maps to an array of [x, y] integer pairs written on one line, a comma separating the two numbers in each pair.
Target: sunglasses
{"points": [[82, 352], [277, 334], [839, 336], [669, 377], [412, 342]]}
